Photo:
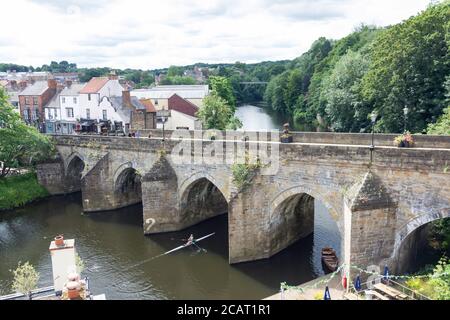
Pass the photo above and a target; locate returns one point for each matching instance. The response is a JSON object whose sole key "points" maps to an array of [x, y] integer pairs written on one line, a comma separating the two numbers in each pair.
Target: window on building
{"points": [[88, 114], [56, 113], [35, 114], [26, 114], [156, 102], [27, 100], [50, 114], [69, 112], [89, 97], [105, 115], [35, 101], [63, 99], [74, 100]]}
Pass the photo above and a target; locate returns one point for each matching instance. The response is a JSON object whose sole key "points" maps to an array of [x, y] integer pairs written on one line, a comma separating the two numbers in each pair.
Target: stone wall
{"points": [[51, 176], [361, 139], [375, 205], [203, 200]]}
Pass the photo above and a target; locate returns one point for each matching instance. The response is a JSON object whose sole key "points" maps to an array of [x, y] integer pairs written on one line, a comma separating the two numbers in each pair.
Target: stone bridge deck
{"points": [[376, 204]]}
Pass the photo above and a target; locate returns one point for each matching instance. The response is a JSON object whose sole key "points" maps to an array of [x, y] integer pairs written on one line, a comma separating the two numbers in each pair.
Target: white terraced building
{"points": [[90, 106]]}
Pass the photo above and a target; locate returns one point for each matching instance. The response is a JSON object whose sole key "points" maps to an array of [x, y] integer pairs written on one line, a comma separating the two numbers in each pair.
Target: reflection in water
{"points": [[255, 118], [113, 248]]}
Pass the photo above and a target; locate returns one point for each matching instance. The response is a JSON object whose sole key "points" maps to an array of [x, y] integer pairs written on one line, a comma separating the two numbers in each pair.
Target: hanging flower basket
{"points": [[287, 138], [404, 141]]}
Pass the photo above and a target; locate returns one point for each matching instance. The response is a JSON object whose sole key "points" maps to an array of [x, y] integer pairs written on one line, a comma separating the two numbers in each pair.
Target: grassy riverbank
{"points": [[17, 191]]}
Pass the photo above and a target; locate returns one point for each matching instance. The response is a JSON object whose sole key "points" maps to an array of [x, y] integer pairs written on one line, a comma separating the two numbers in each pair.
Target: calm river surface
{"points": [[115, 250]]}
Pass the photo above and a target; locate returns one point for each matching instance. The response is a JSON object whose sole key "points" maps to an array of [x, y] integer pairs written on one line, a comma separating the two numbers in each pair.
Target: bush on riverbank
{"points": [[17, 191], [437, 284]]}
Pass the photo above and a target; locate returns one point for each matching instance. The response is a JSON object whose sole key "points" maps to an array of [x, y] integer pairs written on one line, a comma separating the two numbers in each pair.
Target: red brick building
{"points": [[33, 99]]}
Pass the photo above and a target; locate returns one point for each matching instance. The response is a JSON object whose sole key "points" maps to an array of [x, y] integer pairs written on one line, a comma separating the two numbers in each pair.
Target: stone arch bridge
{"points": [[376, 203]]}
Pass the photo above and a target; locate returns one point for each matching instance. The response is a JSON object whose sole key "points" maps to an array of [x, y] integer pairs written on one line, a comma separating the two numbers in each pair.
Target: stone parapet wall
{"points": [[363, 139]]}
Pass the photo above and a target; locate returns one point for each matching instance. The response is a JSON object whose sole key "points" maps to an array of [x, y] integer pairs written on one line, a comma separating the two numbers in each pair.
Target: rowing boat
{"points": [[330, 259], [188, 244]]}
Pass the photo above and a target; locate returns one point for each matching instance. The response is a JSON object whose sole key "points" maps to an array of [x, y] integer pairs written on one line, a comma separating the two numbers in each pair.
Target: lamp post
{"points": [[373, 118], [405, 112], [163, 115]]}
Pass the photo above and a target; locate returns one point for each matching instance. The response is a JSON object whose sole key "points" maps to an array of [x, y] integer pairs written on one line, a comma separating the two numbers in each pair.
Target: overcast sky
{"points": [[155, 34]]}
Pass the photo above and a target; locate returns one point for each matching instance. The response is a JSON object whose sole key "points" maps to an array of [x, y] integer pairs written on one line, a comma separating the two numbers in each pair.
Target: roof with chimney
{"points": [[179, 104], [148, 105], [73, 90], [53, 102], [94, 85], [36, 89], [123, 109]]}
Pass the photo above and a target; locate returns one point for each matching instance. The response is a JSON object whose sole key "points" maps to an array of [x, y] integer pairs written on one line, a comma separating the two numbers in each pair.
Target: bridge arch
{"points": [[287, 193], [200, 198], [74, 172], [73, 156], [409, 228], [292, 217], [127, 185], [188, 183]]}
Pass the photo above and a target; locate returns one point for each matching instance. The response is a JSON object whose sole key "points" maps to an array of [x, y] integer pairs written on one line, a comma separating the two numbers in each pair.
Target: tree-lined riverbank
{"points": [[17, 191]]}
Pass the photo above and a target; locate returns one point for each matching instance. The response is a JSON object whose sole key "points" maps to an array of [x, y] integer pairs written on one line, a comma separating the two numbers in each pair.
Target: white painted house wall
{"points": [[52, 114], [67, 102], [111, 114], [111, 88], [178, 119]]}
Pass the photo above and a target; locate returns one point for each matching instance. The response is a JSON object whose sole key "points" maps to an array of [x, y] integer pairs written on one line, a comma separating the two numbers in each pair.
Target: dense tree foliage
{"points": [[437, 285], [302, 91], [248, 81], [217, 114], [336, 84], [174, 71], [345, 107], [4, 67], [20, 145], [221, 86], [410, 62], [177, 80]]}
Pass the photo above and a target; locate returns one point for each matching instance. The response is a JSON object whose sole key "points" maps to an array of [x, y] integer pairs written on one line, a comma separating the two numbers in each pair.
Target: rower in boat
{"points": [[190, 240]]}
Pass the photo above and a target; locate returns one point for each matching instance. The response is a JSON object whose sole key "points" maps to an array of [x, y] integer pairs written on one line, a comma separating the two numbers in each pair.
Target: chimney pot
{"points": [[52, 83], [126, 98]]}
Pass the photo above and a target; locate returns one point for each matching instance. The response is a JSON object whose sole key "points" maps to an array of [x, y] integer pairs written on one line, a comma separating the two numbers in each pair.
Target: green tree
{"points": [[25, 279], [178, 80], [217, 114], [409, 64], [442, 126], [222, 87], [175, 71], [346, 109], [20, 145]]}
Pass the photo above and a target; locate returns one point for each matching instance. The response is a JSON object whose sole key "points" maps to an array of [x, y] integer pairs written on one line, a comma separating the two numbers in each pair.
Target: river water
{"points": [[116, 253]]}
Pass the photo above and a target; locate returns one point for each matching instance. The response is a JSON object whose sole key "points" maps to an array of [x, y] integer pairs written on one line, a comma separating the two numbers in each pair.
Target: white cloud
{"points": [[154, 34]]}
